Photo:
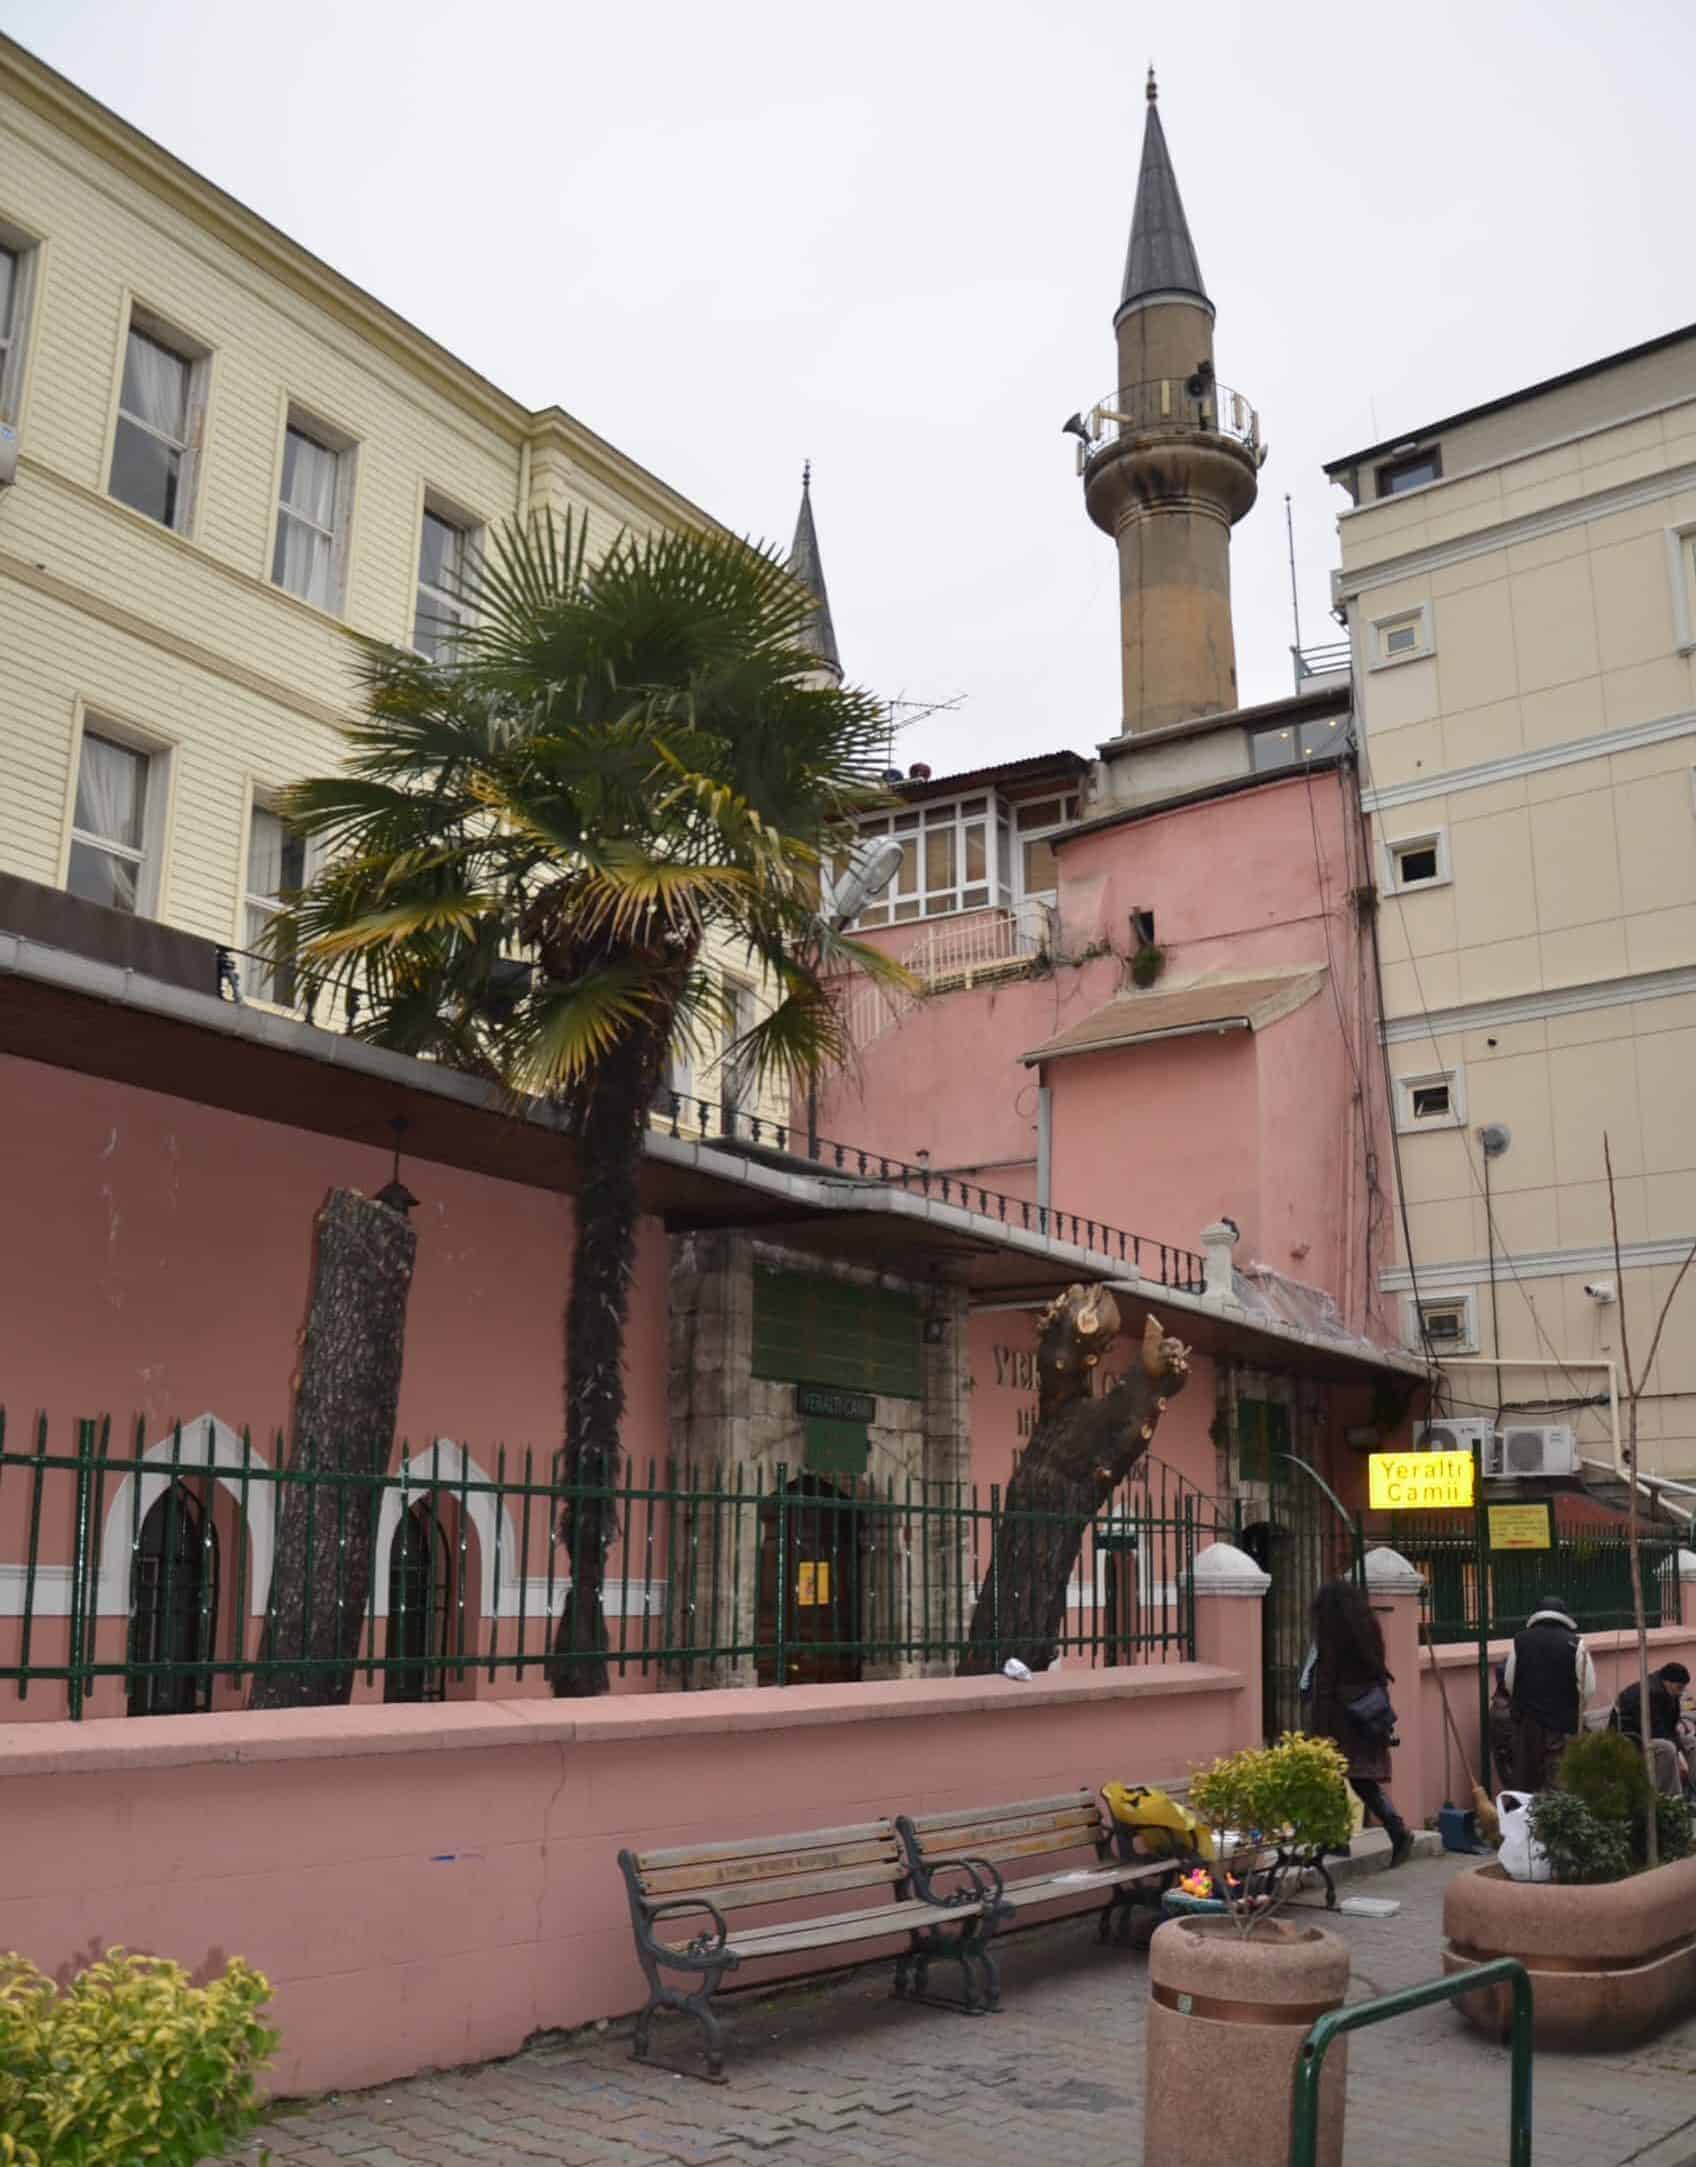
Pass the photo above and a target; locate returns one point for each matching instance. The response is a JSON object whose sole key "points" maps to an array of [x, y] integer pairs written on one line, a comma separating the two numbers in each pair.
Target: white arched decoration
{"points": [[445, 1466], [206, 1443]]}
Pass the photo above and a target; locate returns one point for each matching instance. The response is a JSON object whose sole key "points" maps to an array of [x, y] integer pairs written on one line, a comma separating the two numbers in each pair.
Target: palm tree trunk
{"points": [[346, 1395], [1080, 1451], [613, 1124]]}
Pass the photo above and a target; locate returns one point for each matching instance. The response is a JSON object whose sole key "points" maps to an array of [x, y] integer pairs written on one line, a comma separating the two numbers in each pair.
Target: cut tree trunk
{"points": [[1082, 1448], [347, 1389]]}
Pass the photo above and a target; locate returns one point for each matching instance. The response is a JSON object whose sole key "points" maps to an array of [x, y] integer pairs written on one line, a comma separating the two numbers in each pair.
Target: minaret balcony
{"points": [[1175, 437]]}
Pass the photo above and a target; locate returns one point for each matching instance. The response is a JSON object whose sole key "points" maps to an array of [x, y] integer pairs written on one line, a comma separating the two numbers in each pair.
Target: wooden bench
{"points": [[687, 1908], [1018, 1849]]}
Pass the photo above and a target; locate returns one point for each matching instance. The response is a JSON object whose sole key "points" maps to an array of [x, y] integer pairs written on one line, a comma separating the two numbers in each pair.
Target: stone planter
{"points": [[1608, 1965], [1226, 2019]]}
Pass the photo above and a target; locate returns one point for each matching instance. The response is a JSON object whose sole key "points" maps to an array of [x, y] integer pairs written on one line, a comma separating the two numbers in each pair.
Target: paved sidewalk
{"points": [[841, 2076]]}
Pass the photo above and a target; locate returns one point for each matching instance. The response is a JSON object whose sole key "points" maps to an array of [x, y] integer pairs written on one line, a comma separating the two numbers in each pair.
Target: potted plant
{"points": [[1239, 1989], [1610, 1942], [1147, 965]]}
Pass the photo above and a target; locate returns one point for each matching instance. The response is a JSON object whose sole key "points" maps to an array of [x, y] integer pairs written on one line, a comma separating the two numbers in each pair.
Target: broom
{"points": [[1483, 1812]]}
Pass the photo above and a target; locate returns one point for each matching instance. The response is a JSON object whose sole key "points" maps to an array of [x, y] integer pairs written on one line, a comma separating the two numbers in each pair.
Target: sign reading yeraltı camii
{"points": [[834, 1404], [1423, 1481]]}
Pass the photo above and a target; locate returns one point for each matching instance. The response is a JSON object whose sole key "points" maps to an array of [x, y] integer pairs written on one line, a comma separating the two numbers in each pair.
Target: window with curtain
{"points": [[150, 453], [276, 865], [17, 262], [735, 1075], [444, 559], [308, 554], [109, 859]]}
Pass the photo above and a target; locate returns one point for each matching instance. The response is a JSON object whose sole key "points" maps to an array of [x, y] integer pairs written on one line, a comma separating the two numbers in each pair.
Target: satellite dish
{"points": [[1495, 1137], [868, 872]]}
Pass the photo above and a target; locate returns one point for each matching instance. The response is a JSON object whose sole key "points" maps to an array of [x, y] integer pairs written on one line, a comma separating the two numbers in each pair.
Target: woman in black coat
{"points": [[1349, 1661]]}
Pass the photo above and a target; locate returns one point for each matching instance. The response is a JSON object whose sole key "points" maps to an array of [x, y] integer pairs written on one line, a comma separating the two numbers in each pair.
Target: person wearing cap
{"points": [[1667, 1764], [1550, 1681]]}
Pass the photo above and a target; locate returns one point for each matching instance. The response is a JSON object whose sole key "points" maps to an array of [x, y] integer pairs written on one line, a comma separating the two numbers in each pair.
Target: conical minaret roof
{"points": [[805, 563], [1161, 258]]}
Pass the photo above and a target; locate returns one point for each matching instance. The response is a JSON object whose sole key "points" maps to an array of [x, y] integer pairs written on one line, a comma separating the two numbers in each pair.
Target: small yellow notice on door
{"points": [[1419, 1481], [1519, 1527], [812, 1583]]}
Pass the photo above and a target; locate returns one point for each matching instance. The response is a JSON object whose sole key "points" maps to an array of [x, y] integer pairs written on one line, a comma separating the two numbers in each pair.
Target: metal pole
{"points": [[1481, 1570]]}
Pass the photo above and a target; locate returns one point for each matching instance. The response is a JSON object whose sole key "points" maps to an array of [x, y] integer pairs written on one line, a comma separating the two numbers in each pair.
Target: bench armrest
{"points": [[986, 1888], [703, 1944]]}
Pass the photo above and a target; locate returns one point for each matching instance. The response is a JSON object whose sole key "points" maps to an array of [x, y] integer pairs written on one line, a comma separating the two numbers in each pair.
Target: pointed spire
{"points": [[805, 563], [1161, 258]]}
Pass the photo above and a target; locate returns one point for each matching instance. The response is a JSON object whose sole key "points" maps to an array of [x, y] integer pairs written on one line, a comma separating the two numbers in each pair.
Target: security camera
{"points": [[1601, 1290]]}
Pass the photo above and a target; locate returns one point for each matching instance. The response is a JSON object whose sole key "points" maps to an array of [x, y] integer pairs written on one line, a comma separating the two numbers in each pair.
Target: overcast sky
{"points": [[889, 237]]}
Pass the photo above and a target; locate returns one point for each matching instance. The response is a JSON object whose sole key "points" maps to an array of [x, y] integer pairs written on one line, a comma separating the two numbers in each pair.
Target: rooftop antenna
{"points": [[1295, 604]]}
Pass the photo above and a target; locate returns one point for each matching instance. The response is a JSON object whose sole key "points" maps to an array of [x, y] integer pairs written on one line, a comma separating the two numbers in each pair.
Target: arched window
{"points": [[173, 1606], [419, 1607]]}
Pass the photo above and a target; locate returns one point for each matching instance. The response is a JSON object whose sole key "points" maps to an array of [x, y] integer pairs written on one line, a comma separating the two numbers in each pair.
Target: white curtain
{"points": [[305, 559], [309, 479], [111, 791], [265, 854], [156, 387]]}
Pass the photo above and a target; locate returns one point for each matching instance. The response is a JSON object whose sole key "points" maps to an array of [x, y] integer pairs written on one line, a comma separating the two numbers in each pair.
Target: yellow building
{"points": [[1520, 588], [225, 462]]}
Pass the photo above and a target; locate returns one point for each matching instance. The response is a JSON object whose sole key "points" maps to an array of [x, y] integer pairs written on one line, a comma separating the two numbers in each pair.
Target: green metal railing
{"points": [[1588, 1565], [142, 1578], [1504, 1971]]}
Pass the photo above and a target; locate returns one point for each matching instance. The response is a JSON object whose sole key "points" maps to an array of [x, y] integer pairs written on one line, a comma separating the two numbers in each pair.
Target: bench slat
{"points": [[774, 1865], [1018, 1809], [973, 1835], [737, 1896], [1024, 1847], [809, 1839], [1049, 1888], [840, 1926]]}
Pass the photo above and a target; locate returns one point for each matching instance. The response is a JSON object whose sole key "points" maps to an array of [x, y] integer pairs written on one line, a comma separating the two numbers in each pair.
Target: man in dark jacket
{"points": [[1551, 1681], [1666, 1711]]}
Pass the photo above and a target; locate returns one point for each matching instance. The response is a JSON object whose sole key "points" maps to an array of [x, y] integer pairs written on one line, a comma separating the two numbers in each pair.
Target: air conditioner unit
{"points": [[1532, 1449], [1456, 1436]]}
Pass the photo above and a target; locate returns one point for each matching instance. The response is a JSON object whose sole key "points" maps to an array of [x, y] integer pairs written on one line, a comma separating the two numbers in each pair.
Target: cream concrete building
{"points": [[1520, 589], [223, 463]]}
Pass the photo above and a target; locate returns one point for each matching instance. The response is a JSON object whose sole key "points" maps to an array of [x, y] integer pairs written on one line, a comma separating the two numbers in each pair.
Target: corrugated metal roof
{"points": [[1218, 1002]]}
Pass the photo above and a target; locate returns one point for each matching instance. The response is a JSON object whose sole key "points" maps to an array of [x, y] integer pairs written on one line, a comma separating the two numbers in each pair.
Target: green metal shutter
{"points": [[827, 1331]]}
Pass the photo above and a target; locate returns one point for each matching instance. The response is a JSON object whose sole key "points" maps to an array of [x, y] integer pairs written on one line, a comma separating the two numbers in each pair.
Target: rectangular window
{"points": [[1444, 1323], [1419, 861], [152, 450], [1293, 744], [1038, 821], [112, 826], [1430, 1102], [1405, 637], [953, 858], [312, 517], [276, 866], [1411, 472], [17, 265], [444, 563], [736, 1079]]}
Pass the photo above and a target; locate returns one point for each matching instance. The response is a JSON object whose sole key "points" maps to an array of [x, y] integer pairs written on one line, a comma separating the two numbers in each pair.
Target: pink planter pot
{"points": [[1608, 1965], [1226, 2020]]}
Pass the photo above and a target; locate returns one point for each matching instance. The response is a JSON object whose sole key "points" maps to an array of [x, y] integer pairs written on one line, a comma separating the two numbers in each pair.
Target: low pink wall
{"points": [[426, 1887]]}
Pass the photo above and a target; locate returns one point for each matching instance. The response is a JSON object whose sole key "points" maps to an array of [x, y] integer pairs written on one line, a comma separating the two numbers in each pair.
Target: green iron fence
{"points": [[167, 1576], [1588, 1564]]}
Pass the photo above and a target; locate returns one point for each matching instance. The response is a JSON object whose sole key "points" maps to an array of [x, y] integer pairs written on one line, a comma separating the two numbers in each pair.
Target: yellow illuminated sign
{"points": [[1422, 1481], [1519, 1527], [812, 1584]]}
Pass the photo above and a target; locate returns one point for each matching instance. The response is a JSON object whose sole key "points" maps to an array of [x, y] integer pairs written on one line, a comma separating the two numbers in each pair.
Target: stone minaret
{"points": [[805, 564], [1172, 465]]}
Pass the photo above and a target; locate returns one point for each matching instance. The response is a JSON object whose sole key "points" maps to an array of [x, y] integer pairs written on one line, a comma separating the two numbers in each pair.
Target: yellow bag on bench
{"points": [[1151, 1824]]}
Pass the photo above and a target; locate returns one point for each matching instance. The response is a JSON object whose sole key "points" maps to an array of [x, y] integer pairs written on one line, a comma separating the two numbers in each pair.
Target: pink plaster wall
{"points": [[154, 1260], [1161, 1140], [428, 1887]]}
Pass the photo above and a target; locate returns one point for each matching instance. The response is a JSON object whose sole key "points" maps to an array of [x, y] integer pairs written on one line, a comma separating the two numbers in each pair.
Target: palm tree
{"points": [[527, 849]]}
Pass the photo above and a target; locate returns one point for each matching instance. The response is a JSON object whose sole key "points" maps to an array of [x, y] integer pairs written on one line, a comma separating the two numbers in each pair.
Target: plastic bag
{"points": [[1523, 1857]]}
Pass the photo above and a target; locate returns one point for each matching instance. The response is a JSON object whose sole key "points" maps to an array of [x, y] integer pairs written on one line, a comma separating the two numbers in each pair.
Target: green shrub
{"points": [[1582, 1847], [1675, 1828], [1295, 1794], [130, 2065], [1605, 1769]]}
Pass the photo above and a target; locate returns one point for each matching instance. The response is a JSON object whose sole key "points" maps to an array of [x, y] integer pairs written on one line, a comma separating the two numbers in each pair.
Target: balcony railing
{"points": [[1172, 402], [1331, 658], [958, 948]]}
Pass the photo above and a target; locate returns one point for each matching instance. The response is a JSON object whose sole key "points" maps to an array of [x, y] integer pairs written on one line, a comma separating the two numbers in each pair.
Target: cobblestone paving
{"points": [[841, 2076]]}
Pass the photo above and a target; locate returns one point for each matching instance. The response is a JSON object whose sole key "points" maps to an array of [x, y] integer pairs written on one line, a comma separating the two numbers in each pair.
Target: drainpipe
{"points": [[1044, 1147]]}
